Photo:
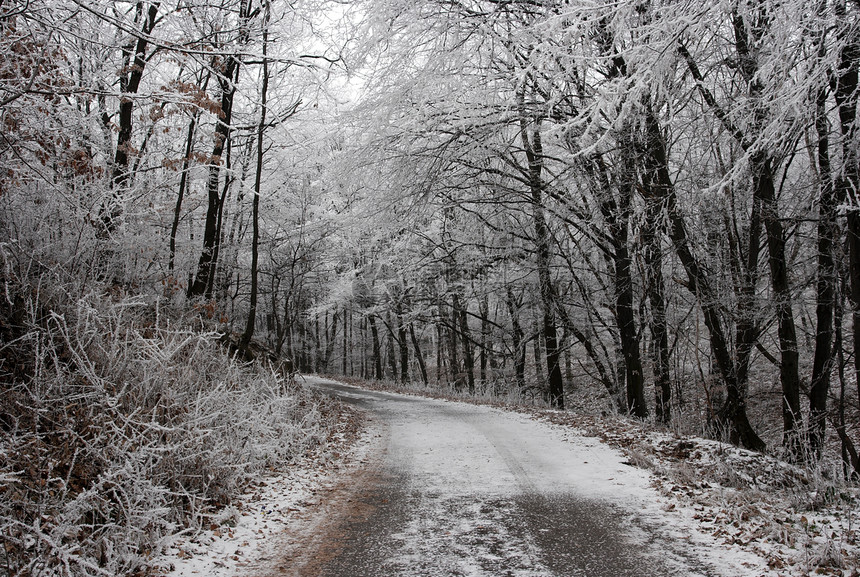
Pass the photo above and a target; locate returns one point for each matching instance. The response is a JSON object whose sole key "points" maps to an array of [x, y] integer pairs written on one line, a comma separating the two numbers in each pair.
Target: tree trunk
{"points": [[486, 345], [219, 226], [389, 348], [617, 216], [734, 412], [626, 315], [786, 331], [531, 141], [440, 349], [453, 356], [227, 79], [518, 343], [206, 263], [537, 348], [657, 301], [183, 181], [377, 352], [347, 326], [418, 356], [763, 188], [331, 339], [134, 59], [365, 370], [403, 342], [845, 87], [258, 177], [460, 315]]}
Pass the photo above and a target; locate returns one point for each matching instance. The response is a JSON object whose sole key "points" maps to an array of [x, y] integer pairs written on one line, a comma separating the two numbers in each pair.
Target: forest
{"points": [[643, 207]]}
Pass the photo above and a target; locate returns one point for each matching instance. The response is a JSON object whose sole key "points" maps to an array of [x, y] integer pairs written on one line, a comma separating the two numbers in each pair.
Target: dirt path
{"points": [[457, 489]]}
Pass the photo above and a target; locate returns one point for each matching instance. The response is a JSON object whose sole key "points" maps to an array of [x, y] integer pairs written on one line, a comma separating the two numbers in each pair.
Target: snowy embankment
{"points": [[263, 524]]}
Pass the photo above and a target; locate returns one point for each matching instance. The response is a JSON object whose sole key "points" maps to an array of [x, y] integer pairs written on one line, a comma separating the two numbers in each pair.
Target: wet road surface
{"points": [[456, 489]]}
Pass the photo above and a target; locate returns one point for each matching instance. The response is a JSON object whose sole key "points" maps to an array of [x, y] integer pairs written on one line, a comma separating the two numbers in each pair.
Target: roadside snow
{"points": [[783, 520], [238, 536], [261, 527]]}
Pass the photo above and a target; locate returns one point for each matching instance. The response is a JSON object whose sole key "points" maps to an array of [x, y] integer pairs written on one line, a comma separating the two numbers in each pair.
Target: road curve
{"points": [[458, 489]]}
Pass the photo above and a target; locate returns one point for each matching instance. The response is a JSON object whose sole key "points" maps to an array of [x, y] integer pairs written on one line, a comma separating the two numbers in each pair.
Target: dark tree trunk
{"points": [[486, 345], [331, 339], [440, 349], [207, 262], [288, 337], [850, 460], [303, 346], [258, 177], [377, 352], [518, 340], [826, 283], [389, 348], [461, 317], [617, 216], [789, 365], [453, 356], [734, 412], [531, 141], [365, 370], [403, 343], [227, 79], [418, 356], [657, 301], [219, 229], [761, 166], [134, 59], [347, 326], [537, 348], [635, 383], [845, 86], [627, 314], [180, 197]]}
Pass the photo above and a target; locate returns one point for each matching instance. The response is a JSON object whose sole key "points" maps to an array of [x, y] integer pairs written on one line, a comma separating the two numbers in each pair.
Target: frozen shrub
{"points": [[121, 426]]}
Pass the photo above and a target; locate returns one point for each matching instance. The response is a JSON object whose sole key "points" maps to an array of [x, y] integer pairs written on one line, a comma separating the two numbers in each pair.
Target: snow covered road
{"points": [[458, 489]]}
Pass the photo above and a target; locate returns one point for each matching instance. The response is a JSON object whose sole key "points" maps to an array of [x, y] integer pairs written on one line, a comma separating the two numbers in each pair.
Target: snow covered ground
{"points": [[686, 506]]}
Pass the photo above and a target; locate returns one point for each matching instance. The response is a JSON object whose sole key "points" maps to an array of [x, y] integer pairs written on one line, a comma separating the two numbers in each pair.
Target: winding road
{"points": [[457, 489]]}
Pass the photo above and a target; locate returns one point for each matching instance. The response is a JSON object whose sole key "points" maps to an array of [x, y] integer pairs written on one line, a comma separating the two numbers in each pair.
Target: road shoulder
{"points": [[272, 528]]}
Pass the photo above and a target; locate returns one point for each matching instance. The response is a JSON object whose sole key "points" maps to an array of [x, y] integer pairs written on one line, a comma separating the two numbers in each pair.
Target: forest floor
{"points": [[763, 516]]}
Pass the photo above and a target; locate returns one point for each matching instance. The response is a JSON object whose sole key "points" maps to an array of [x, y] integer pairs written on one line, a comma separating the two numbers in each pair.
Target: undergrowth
{"points": [[122, 424]]}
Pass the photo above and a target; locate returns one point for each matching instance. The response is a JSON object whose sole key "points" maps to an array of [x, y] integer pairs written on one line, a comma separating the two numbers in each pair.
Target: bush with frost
{"points": [[121, 425]]}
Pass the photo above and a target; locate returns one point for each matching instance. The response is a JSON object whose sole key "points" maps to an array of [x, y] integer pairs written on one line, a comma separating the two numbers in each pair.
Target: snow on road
{"points": [[442, 488], [473, 490]]}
